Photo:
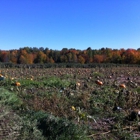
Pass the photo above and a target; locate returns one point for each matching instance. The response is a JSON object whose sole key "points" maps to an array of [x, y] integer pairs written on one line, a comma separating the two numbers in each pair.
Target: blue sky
{"points": [[78, 24]]}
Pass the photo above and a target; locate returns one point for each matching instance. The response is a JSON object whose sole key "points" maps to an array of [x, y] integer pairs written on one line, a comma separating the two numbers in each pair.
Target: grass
{"points": [[43, 106], [39, 125], [9, 99]]}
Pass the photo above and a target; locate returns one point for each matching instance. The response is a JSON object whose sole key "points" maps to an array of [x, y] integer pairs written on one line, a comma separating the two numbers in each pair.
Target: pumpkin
{"points": [[1, 77], [78, 84], [31, 79], [73, 108], [98, 82], [137, 111], [12, 78], [110, 76], [17, 84], [122, 86], [134, 114]]}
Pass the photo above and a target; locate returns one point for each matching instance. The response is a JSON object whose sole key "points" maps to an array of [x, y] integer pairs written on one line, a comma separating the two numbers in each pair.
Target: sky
{"points": [[79, 24]]}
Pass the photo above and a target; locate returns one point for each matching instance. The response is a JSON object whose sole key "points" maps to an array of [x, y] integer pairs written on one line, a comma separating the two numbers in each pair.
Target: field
{"points": [[98, 103]]}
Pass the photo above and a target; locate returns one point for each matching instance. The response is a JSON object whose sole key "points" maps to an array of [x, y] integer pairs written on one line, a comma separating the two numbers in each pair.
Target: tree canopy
{"points": [[28, 55]]}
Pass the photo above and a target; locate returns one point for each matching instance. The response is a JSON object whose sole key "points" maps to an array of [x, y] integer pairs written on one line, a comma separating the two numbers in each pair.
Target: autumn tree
{"points": [[81, 59], [4, 56], [51, 60], [114, 57], [23, 57], [89, 55], [130, 56], [55, 55], [41, 57], [30, 59], [63, 59], [28, 55], [99, 58], [14, 56]]}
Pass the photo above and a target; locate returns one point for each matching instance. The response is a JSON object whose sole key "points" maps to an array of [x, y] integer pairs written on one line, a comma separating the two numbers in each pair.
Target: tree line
{"points": [[29, 55]]}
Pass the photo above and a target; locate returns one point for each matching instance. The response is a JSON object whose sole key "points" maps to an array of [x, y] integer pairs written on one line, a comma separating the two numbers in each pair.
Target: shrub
{"points": [[9, 98], [54, 128]]}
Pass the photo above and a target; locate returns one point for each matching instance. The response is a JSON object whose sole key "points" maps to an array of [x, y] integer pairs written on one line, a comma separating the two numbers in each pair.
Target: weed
{"points": [[9, 99]]}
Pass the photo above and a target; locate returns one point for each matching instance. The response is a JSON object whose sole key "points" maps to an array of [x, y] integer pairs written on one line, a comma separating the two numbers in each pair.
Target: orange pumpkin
{"points": [[1, 75], [137, 111], [98, 82], [122, 86], [17, 84]]}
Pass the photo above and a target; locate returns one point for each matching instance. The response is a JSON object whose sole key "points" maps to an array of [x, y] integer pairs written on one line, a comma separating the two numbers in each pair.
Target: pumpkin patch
{"points": [[101, 101]]}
